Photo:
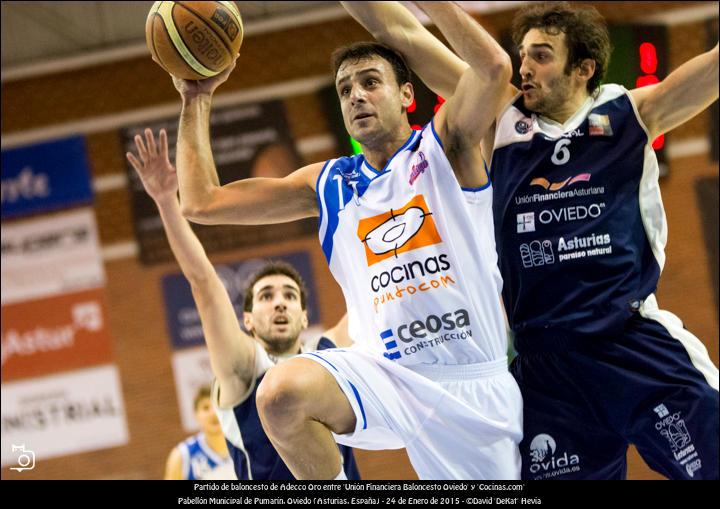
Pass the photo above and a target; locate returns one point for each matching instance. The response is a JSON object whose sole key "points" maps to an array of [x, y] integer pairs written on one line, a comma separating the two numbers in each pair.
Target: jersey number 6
{"points": [[561, 155]]}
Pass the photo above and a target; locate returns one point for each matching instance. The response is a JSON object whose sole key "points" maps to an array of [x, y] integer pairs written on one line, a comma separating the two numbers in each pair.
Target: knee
{"points": [[282, 400]]}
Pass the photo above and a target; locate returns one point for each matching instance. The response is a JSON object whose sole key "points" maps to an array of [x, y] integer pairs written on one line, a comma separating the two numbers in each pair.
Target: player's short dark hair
{"points": [[361, 50], [202, 393], [586, 33], [272, 268]]}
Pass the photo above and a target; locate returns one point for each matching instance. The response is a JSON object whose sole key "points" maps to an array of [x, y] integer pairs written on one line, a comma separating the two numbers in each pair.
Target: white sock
{"points": [[341, 476]]}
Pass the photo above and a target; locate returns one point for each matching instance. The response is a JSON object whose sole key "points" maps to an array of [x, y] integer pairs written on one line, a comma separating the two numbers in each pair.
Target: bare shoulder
{"points": [[639, 95], [173, 466], [307, 175]]}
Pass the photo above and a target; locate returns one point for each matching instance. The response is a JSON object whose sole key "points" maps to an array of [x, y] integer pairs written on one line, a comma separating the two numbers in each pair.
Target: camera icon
{"points": [[26, 460]]}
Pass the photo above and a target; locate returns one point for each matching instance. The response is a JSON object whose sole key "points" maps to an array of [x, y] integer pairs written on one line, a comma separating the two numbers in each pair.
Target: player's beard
{"points": [[279, 343], [554, 95]]}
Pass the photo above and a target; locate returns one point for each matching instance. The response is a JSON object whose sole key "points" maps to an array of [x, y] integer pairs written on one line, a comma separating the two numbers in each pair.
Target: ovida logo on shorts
{"points": [[546, 461]]}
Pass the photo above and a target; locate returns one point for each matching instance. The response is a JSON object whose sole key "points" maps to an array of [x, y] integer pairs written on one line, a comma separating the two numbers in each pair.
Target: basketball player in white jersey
{"points": [[407, 232], [600, 366], [204, 455]]}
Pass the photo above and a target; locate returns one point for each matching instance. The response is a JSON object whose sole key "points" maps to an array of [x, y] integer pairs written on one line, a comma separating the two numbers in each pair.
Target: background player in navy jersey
{"points": [[580, 232], [275, 315], [204, 455]]}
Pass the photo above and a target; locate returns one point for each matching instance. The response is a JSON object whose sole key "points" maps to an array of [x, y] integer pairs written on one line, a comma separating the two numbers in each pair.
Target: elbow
{"points": [[196, 214], [500, 68], [398, 37]]}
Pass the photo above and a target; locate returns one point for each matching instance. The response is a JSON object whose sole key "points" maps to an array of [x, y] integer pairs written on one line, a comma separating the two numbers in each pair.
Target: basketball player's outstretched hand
{"points": [[157, 174], [189, 89]]}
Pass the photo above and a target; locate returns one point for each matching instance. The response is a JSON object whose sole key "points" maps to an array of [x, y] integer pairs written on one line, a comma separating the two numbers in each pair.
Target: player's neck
{"points": [[378, 153], [217, 443], [569, 107], [280, 353]]}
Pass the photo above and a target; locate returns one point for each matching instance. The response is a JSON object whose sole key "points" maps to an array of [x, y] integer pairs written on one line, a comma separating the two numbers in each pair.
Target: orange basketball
{"points": [[194, 40]]}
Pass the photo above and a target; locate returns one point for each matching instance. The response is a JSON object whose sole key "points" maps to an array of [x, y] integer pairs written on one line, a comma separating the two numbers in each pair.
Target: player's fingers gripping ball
{"points": [[194, 40]]}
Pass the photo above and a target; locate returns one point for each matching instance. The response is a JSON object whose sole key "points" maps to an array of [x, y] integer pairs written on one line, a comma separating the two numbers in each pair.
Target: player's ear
{"points": [[248, 322], [586, 69], [407, 94], [304, 319]]}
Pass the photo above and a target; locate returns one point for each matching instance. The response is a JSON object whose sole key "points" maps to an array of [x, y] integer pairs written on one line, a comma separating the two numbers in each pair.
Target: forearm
{"points": [[197, 175], [230, 350], [469, 40], [392, 24], [186, 247], [686, 92]]}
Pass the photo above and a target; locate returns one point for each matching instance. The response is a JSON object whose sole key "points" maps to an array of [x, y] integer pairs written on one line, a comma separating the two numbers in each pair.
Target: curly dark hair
{"points": [[361, 50], [272, 268], [586, 34]]}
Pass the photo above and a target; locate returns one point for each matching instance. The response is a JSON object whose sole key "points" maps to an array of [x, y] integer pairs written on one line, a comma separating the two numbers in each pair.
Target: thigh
{"points": [[308, 389], [563, 435]]}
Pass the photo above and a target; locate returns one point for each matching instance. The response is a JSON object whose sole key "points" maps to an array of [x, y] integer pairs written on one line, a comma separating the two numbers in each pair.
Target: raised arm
{"points": [[392, 24], [466, 118], [687, 91], [232, 352], [248, 201]]}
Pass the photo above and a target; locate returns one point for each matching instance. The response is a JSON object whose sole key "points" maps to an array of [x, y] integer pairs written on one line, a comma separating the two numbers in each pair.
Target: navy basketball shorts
{"points": [[653, 386]]}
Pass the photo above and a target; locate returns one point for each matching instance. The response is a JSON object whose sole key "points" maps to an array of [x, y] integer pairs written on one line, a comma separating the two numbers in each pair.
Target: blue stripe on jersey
{"points": [[342, 181], [432, 127], [318, 193], [409, 144], [357, 394], [362, 410], [476, 189], [324, 360]]}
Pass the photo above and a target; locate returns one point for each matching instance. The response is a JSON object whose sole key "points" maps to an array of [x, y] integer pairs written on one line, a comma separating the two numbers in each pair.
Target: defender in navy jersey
{"points": [[428, 370], [274, 313], [580, 232]]}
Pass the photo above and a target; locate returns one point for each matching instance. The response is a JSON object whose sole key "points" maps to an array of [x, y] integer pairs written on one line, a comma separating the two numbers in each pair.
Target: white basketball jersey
{"points": [[415, 256]]}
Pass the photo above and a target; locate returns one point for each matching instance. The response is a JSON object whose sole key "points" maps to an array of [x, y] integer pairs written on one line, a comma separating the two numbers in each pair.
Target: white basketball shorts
{"points": [[456, 421]]}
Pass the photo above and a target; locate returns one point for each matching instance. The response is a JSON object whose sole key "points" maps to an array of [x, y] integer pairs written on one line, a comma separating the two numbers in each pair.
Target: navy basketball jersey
{"points": [[253, 455], [579, 222], [201, 462]]}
